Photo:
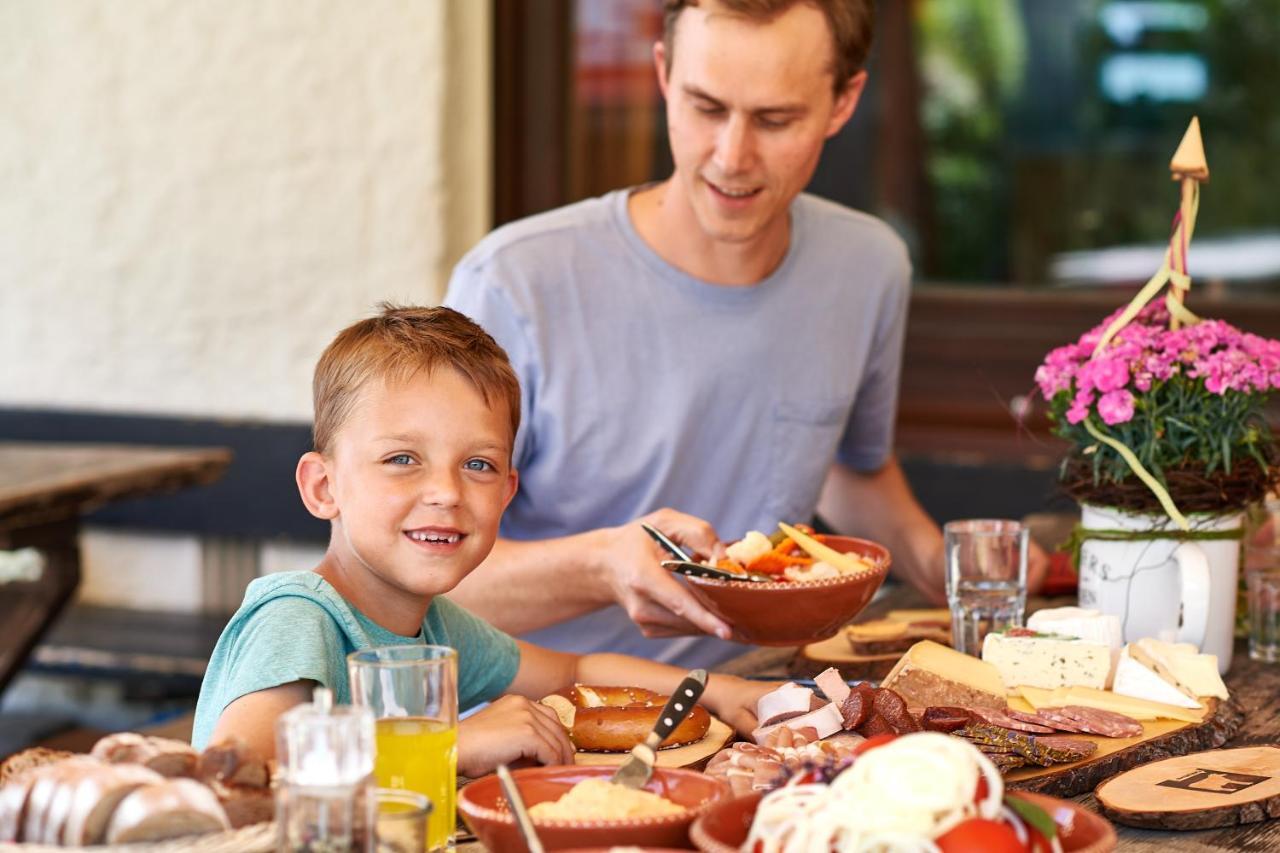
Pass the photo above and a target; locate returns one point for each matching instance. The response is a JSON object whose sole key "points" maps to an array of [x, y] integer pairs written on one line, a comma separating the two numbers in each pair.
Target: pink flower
{"points": [[1079, 407], [1116, 407], [1105, 374]]}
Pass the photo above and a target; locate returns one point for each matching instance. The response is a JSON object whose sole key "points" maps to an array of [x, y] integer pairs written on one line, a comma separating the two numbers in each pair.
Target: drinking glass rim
{"points": [[990, 527], [391, 656]]}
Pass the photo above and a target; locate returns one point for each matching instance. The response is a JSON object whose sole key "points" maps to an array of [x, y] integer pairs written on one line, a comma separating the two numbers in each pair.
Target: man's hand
{"points": [[511, 730], [1037, 567], [659, 604], [933, 583]]}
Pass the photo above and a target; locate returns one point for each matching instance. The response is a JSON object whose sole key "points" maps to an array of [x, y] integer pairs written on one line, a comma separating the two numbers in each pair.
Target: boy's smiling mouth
{"points": [[442, 538]]}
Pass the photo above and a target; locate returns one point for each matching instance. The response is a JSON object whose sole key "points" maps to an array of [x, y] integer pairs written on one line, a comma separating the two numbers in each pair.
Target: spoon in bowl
{"points": [[523, 822]]}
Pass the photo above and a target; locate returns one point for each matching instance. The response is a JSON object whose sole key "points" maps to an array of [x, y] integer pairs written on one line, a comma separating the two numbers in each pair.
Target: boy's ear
{"points": [[513, 483], [314, 486]]}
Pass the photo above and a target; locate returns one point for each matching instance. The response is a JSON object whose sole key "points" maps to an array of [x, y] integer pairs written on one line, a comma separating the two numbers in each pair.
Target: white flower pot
{"points": [[1174, 590]]}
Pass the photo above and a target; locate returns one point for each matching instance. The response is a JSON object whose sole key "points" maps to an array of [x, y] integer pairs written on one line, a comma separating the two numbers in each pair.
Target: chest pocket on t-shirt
{"points": [[803, 446]]}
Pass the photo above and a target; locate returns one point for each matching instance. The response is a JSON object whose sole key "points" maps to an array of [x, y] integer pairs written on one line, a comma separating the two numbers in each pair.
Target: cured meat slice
{"points": [[858, 705], [1006, 761], [1008, 721], [1097, 721], [1043, 750], [893, 708], [946, 718]]}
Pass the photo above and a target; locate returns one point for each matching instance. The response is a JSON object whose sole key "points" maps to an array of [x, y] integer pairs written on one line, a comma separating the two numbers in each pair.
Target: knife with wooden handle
{"points": [[637, 769]]}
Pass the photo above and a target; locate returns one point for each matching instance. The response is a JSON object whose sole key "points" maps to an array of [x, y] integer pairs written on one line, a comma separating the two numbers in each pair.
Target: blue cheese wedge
{"points": [[1029, 659]]}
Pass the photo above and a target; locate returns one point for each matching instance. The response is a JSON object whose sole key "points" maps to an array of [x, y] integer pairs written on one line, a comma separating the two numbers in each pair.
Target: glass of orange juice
{"points": [[413, 692]]}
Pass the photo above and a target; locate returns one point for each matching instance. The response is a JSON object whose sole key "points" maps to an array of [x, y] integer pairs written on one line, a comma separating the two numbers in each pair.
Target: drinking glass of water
{"points": [[986, 563]]}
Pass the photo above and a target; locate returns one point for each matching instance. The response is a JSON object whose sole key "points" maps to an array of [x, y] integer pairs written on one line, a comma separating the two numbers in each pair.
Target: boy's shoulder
{"points": [[301, 597]]}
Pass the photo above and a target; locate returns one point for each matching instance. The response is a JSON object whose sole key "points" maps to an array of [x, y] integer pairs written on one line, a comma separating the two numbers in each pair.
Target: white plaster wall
{"points": [[196, 194]]}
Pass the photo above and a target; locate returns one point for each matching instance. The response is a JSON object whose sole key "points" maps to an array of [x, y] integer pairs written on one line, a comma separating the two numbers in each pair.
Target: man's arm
{"points": [[879, 505], [523, 586]]}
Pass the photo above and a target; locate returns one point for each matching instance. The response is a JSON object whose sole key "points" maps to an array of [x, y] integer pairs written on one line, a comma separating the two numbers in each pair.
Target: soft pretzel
{"points": [[614, 719]]}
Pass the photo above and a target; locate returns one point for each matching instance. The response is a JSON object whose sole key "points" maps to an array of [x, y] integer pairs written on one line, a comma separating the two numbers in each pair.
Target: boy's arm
{"points": [[252, 717], [543, 671], [524, 586]]}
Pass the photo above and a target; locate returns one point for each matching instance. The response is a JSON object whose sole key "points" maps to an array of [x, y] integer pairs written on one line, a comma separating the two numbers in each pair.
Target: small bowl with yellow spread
{"points": [[577, 807]]}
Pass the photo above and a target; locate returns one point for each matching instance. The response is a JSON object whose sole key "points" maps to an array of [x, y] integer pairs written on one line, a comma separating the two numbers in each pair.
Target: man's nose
{"points": [[735, 146]]}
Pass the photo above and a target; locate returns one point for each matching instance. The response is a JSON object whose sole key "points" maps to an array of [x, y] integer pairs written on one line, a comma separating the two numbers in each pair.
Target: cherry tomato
{"points": [[872, 742], [979, 835]]}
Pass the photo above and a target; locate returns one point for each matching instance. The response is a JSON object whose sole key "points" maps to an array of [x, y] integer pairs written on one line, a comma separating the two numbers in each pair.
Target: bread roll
{"points": [[166, 756], [29, 759], [167, 809], [95, 797]]}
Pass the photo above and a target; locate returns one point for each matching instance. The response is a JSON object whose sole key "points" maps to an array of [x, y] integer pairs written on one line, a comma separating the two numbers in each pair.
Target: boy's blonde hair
{"points": [[399, 343]]}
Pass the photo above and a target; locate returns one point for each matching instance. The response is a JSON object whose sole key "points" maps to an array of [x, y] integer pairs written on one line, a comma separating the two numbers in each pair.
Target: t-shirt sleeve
{"points": [[868, 437], [487, 658], [475, 289], [284, 640]]}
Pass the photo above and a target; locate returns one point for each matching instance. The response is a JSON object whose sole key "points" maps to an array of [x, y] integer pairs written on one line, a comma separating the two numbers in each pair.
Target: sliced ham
{"points": [[789, 700], [826, 721], [832, 683]]}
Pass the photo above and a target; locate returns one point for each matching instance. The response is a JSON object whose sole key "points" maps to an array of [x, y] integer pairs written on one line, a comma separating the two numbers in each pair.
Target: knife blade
{"points": [[637, 769]]}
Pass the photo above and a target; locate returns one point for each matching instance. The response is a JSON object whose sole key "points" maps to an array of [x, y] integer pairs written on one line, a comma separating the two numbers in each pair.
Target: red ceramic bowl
{"points": [[795, 614], [485, 810], [724, 826]]}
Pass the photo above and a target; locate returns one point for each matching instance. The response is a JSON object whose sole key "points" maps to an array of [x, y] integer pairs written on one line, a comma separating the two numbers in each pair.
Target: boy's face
{"points": [[420, 474], [749, 106]]}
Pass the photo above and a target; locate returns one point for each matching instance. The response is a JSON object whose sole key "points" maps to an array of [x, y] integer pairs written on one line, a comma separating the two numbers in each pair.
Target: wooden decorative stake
{"points": [[1190, 167]]}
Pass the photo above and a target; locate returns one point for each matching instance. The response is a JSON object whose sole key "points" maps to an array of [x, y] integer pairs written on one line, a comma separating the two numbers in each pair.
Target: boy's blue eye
{"points": [[400, 459], [479, 465]]}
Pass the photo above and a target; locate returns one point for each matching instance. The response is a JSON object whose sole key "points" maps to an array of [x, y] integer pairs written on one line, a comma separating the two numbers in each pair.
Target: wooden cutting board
{"points": [[694, 755], [1222, 787], [1159, 739], [835, 651]]}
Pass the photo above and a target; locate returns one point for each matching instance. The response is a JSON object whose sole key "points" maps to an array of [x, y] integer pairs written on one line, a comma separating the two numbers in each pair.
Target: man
{"points": [[713, 353]]}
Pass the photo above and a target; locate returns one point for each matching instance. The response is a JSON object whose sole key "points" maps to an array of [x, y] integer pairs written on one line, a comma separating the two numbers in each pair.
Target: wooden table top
{"points": [[1255, 685], [49, 482]]}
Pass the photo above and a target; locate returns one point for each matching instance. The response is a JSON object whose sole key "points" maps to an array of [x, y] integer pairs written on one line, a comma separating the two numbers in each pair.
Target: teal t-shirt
{"points": [[294, 625]]}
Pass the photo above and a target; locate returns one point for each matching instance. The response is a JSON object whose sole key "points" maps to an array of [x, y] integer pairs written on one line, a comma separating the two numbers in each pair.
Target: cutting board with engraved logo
{"points": [[1221, 787]]}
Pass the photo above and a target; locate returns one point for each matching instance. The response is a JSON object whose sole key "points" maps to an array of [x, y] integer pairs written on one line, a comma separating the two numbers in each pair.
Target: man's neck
{"points": [[665, 220], [389, 607]]}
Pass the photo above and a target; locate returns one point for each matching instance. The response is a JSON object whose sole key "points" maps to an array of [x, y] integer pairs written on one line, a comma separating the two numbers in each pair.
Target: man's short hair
{"points": [[852, 24], [397, 344]]}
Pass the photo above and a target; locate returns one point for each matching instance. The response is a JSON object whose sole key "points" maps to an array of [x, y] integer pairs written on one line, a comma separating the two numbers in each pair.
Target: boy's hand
{"points": [[659, 604], [510, 730], [734, 700]]}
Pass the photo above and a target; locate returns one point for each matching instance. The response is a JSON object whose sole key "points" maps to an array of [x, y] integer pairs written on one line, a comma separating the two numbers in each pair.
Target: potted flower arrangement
{"points": [[1164, 412]]}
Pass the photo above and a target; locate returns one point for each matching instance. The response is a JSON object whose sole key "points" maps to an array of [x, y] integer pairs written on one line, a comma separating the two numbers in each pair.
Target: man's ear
{"points": [[660, 65], [846, 103], [315, 486]]}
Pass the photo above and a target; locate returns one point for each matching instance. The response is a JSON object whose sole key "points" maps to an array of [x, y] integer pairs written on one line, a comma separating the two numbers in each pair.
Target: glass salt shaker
{"points": [[324, 803]]}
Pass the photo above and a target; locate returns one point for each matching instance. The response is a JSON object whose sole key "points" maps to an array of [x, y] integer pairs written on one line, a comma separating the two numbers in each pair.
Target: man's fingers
{"points": [[671, 595]]}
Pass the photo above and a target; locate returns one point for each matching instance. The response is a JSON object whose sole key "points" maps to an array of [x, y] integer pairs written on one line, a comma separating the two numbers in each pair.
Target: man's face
{"points": [[421, 475], [749, 106]]}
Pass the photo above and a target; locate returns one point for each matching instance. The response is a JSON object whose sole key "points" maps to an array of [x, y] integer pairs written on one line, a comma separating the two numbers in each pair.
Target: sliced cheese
{"points": [[1038, 697], [1047, 661], [929, 673], [1135, 679], [1132, 706], [1182, 665], [1017, 703], [1079, 622]]}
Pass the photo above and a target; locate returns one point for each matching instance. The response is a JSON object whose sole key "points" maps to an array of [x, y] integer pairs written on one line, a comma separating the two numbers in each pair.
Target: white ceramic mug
{"points": [[1174, 590]]}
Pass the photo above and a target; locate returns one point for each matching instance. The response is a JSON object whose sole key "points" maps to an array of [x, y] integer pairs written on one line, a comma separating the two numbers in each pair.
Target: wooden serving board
{"points": [[1222, 787], [835, 651], [694, 755], [1159, 739]]}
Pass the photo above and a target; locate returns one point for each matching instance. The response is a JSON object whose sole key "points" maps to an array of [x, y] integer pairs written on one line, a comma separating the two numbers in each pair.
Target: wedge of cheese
{"points": [[1047, 660], [1038, 697], [1181, 665], [1134, 678], [929, 674], [1132, 706], [1079, 622]]}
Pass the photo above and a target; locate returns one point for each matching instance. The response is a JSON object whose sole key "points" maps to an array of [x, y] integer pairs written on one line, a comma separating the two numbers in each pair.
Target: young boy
{"points": [[416, 412]]}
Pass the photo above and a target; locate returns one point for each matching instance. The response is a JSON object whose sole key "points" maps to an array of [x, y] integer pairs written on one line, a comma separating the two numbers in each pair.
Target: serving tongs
{"points": [[684, 564]]}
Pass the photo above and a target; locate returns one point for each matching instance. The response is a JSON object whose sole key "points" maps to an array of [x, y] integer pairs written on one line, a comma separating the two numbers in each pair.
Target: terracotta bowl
{"points": [[724, 826], [795, 614], [485, 810]]}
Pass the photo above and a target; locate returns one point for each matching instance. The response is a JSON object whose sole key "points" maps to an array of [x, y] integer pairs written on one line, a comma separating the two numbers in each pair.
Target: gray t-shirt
{"points": [[295, 625], [644, 387]]}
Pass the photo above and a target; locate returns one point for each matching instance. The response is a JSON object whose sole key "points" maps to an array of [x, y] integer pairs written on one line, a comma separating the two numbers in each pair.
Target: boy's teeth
{"points": [[432, 537]]}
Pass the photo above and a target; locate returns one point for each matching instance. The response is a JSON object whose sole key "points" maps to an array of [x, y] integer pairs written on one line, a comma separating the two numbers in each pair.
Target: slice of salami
{"points": [[1099, 722], [894, 709], [1060, 721], [1035, 719], [858, 706], [876, 724], [1008, 721], [945, 718]]}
